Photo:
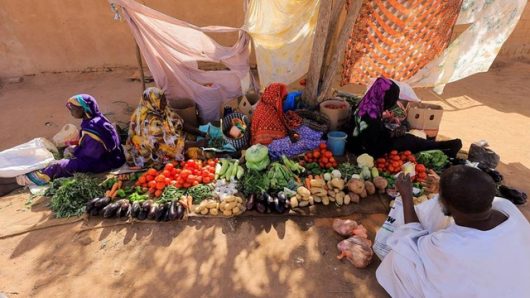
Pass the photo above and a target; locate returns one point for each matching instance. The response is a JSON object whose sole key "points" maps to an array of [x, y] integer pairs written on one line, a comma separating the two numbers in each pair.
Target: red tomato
{"points": [[396, 158], [169, 167], [199, 179], [174, 172], [402, 157], [211, 163], [420, 168], [328, 165], [166, 173], [328, 154], [332, 159], [141, 179], [316, 153], [167, 181], [422, 175], [393, 152], [323, 146], [160, 178], [195, 183], [186, 185], [380, 160], [190, 179], [206, 180], [151, 184], [321, 164], [152, 190], [391, 169], [178, 185], [324, 160], [160, 185], [158, 193], [152, 172], [196, 172], [212, 176], [173, 182], [149, 178], [308, 155], [212, 170]]}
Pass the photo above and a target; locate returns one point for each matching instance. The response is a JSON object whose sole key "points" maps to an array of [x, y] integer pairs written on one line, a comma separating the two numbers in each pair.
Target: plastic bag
{"points": [[348, 227], [68, 135], [22, 159], [429, 214], [357, 250]]}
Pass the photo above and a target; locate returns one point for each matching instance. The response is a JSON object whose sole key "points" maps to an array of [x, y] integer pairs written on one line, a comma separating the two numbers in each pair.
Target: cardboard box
{"points": [[425, 117]]}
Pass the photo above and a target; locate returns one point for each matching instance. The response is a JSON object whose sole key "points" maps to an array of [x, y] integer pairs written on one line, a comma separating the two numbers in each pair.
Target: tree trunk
{"points": [[310, 93], [334, 26], [344, 36]]}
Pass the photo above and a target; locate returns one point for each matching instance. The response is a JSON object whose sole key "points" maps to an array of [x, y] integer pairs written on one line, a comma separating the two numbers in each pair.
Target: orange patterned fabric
{"points": [[396, 38]]}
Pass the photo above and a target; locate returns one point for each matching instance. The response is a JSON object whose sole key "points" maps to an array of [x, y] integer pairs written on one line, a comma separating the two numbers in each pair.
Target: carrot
{"points": [[115, 188], [308, 182]]}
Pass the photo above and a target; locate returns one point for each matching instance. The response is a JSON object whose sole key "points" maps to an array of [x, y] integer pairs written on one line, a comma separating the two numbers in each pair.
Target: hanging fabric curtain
{"points": [[282, 32], [396, 38], [492, 22], [172, 49]]}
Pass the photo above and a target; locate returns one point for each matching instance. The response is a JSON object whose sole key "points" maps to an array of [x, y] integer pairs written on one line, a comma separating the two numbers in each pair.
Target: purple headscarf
{"points": [[373, 102], [96, 122]]}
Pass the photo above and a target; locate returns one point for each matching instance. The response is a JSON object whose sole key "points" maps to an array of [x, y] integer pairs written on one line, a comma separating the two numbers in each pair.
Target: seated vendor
{"points": [[483, 252], [156, 133], [372, 135], [99, 148]]}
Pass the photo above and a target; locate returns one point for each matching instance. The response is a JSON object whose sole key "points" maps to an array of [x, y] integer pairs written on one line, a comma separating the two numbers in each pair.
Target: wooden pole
{"points": [[141, 66], [344, 36], [310, 92], [334, 26]]}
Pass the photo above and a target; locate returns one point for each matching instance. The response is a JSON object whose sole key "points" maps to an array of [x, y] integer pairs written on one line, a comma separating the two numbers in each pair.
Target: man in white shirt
{"points": [[483, 252]]}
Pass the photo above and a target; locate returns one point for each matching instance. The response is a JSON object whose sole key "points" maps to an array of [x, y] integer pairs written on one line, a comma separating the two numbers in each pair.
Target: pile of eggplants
{"points": [[267, 203], [149, 209]]}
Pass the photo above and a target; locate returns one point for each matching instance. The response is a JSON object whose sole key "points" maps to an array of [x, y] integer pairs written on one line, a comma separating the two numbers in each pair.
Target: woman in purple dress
{"points": [[99, 148]]}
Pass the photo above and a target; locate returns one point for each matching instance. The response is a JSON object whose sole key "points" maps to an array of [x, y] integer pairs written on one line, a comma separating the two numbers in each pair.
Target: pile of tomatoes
{"points": [[421, 173], [180, 175], [393, 162], [322, 156]]}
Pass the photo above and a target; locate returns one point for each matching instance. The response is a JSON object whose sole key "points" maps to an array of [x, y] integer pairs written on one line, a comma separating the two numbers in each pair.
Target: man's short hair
{"points": [[467, 189]]}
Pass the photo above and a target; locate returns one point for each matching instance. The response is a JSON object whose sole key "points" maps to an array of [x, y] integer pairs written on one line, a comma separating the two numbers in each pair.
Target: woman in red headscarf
{"points": [[268, 122]]}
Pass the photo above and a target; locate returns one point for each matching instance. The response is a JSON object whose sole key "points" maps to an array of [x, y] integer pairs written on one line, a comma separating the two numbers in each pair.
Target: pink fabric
{"points": [[171, 49]]}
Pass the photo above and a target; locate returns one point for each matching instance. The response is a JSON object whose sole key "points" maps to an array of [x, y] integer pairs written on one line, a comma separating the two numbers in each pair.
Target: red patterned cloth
{"points": [[268, 119]]}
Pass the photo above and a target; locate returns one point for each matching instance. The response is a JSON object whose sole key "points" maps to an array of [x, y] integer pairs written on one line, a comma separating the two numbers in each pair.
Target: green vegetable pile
{"points": [[253, 182], [69, 195], [200, 192], [433, 159], [171, 193], [279, 176], [347, 170]]}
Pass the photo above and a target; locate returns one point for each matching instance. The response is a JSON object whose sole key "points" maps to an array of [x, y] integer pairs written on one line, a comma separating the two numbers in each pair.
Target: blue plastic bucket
{"points": [[337, 142]]}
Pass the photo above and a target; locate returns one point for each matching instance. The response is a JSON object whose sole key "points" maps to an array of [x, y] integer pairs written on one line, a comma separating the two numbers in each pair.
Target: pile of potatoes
{"points": [[229, 206], [303, 198]]}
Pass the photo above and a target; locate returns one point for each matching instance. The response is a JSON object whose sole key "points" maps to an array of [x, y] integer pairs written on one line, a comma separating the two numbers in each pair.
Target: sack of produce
{"points": [[68, 135], [358, 250]]}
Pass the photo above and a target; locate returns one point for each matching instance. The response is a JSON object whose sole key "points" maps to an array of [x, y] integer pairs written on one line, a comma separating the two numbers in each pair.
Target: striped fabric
{"points": [[396, 38]]}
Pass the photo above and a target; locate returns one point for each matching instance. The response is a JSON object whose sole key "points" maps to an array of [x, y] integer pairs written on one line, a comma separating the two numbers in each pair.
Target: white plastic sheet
{"points": [[22, 159]]}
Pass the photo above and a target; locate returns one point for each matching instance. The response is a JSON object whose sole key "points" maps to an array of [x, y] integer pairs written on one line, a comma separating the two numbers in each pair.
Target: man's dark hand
{"points": [[404, 186]]}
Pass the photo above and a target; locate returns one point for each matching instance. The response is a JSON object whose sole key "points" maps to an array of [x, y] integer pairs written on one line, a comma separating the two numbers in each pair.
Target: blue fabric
{"points": [[291, 100], [215, 132]]}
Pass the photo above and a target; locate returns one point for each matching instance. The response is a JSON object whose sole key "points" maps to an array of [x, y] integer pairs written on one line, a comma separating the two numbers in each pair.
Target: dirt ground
{"points": [[249, 257]]}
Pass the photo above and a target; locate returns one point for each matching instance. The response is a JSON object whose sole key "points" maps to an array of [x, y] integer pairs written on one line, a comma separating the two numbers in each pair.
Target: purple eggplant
{"points": [[153, 211], [261, 207], [135, 209], [250, 202], [181, 211], [110, 210], [102, 202], [173, 211]]}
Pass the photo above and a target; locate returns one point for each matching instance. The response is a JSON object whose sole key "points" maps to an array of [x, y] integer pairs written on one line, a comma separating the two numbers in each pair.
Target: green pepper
{"points": [[121, 193]]}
